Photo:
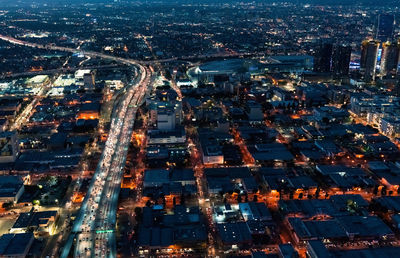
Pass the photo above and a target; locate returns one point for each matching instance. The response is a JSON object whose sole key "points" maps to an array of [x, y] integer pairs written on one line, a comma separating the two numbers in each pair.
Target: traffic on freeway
{"points": [[93, 230], [123, 60]]}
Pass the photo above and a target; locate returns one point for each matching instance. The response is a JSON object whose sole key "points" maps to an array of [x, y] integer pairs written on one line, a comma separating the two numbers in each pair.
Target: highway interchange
{"points": [[93, 231], [125, 60]]}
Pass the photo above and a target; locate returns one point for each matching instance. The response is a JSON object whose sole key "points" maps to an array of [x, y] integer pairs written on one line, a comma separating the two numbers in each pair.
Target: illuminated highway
{"points": [[58, 71], [123, 60], [94, 228], [93, 231]]}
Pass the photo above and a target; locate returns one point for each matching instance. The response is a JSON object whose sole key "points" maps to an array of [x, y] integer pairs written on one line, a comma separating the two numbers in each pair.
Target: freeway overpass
{"points": [[93, 230], [124, 60], [59, 70]]}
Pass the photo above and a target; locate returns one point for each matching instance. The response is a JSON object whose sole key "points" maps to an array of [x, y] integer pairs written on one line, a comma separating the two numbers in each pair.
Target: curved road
{"points": [[94, 229], [124, 60]]}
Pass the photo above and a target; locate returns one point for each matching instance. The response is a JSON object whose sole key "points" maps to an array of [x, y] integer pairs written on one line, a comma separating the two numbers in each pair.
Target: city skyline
{"points": [[199, 128]]}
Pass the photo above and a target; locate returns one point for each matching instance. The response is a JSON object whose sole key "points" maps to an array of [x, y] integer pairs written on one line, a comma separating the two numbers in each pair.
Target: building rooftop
{"points": [[234, 233], [10, 185], [318, 249], [33, 219], [310, 208], [392, 203], [15, 245], [287, 251], [321, 229], [365, 226], [270, 152], [341, 201], [156, 175], [179, 175], [367, 253], [255, 211]]}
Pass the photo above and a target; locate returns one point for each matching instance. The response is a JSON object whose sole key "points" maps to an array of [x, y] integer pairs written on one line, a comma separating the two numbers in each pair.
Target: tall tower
{"points": [[385, 27], [369, 57], [341, 60], [89, 81], [390, 58], [323, 58], [396, 91]]}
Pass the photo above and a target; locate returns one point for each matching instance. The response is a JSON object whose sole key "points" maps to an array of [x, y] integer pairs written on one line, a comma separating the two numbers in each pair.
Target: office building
{"points": [[89, 81], [11, 188], [9, 147], [385, 27], [369, 57], [323, 58], [16, 245], [317, 249], [341, 60], [166, 119], [390, 58], [41, 223]]}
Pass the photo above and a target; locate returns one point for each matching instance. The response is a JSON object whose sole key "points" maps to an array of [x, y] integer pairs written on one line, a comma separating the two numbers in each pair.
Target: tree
{"points": [[383, 191], [52, 181], [168, 75], [317, 192], [280, 193], [375, 191], [148, 203], [325, 120], [138, 210], [255, 198], [221, 193], [7, 205], [138, 213], [183, 199]]}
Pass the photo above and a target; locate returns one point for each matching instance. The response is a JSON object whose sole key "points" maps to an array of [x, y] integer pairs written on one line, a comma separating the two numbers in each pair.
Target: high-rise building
{"points": [[341, 56], [369, 57], [396, 90], [390, 58], [323, 58], [89, 81], [166, 119], [385, 27]]}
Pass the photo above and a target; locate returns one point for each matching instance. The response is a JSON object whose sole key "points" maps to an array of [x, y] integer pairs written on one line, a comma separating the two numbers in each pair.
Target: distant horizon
{"points": [[394, 3]]}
